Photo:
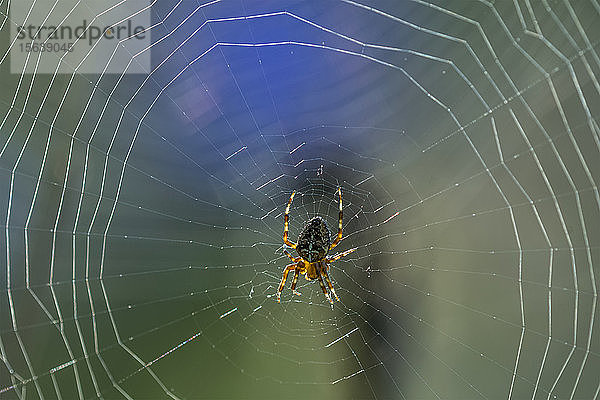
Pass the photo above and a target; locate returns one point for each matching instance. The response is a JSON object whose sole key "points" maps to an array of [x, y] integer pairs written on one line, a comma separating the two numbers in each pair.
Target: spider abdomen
{"points": [[314, 240]]}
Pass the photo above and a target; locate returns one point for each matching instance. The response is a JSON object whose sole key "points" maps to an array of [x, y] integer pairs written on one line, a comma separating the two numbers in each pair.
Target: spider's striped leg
{"points": [[340, 255], [294, 259], [326, 276], [339, 234], [295, 281], [323, 288], [286, 220], [286, 271]]}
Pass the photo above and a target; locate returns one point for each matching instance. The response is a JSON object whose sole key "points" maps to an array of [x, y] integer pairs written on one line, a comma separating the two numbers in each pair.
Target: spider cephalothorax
{"points": [[314, 244]]}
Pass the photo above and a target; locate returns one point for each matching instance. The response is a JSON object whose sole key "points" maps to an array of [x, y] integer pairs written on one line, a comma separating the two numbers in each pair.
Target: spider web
{"points": [[143, 214]]}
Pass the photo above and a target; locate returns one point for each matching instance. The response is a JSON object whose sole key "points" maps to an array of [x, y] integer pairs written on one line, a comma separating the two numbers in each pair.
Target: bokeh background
{"points": [[142, 214]]}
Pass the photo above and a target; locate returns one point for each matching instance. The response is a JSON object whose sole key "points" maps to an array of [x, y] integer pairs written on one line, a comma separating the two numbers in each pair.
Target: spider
{"points": [[313, 247]]}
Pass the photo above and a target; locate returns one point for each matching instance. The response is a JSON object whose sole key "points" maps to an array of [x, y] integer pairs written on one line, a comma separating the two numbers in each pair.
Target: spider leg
{"points": [[339, 234], [323, 288], [326, 276], [340, 255], [295, 281], [294, 259], [286, 220], [286, 271]]}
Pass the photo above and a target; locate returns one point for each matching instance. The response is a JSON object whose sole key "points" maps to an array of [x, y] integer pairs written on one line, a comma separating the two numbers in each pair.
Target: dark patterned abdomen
{"points": [[314, 240]]}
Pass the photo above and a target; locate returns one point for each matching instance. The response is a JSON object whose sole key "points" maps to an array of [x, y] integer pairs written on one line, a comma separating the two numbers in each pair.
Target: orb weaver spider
{"points": [[313, 247]]}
